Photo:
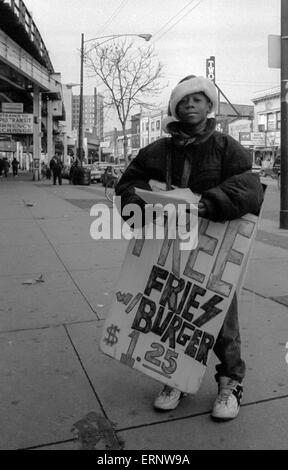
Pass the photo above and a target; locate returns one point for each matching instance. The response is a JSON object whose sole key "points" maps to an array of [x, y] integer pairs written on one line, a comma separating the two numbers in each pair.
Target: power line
{"points": [[113, 16], [180, 19], [172, 18], [229, 82]]}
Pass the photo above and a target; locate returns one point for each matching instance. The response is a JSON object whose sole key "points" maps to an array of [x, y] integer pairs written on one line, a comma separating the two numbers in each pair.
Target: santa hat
{"points": [[187, 86]]}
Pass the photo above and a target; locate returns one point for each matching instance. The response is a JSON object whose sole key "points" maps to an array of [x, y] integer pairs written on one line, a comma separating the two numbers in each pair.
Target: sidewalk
{"points": [[58, 391]]}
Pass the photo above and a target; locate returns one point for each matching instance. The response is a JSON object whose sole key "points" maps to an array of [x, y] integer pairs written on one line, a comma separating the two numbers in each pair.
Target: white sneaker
{"points": [[227, 403], [168, 398]]}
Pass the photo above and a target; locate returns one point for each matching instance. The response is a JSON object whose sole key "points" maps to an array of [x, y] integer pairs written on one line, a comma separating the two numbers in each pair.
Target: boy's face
{"points": [[193, 108]]}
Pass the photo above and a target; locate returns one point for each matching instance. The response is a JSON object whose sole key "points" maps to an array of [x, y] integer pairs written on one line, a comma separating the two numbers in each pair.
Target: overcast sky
{"points": [[185, 33]]}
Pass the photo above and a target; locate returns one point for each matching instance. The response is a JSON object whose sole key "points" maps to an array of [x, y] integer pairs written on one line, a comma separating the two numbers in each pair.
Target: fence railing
{"points": [[24, 17]]}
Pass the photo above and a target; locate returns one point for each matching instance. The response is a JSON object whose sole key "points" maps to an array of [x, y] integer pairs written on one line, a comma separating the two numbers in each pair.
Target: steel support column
{"points": [[36, 133]]}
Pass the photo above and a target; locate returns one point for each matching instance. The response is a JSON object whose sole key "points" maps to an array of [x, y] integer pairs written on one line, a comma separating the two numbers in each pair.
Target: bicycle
{"points": [[110, 189], [110, 185]]}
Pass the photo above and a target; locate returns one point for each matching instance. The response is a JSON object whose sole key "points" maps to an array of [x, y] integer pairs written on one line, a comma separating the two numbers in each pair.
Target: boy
{"points": [[218, 168]]}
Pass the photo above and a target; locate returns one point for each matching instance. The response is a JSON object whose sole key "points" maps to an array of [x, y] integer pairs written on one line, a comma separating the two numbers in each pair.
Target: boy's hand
{"points": [[202, 209], [157, 186]]}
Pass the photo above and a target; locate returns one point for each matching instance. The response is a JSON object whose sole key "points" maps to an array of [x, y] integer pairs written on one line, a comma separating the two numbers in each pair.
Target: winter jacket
{"points": [[56, 165], [220, 173]]}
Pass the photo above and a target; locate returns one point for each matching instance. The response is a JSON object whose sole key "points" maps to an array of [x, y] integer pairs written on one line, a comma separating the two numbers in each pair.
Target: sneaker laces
{"points": [[226, 391], [167, 391], [224, 395]]}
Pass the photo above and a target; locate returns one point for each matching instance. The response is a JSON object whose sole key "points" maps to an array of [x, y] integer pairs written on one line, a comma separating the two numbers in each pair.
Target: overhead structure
{"points": [[27, 75]]}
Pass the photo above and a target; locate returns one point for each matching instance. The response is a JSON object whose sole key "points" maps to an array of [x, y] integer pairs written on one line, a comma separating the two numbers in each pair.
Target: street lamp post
{"points": [[284, 117], [147, 37]]}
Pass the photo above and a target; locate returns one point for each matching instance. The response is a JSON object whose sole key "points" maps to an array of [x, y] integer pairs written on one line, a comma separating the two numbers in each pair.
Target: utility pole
{"points": [[284, 117], [80, 131], [96, 113]]}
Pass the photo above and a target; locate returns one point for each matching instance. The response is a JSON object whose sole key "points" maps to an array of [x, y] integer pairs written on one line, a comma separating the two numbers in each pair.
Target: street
{"points": [[60, 392]]}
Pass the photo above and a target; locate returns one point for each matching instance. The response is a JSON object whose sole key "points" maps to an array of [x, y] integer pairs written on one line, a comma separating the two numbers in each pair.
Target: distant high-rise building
{"points": [[93, 115]]}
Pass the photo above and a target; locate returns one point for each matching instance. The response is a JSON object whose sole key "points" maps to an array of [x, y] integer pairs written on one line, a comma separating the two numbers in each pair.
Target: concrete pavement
{"points": [[58, 391]]}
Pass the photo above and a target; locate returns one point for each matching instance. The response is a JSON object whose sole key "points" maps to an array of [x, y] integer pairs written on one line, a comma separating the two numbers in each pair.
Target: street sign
{"points": [[7, 146], [245, 138], [210, 68], [274, 51], [104, 144], [16, 123], [258, 139], [12, 107]]}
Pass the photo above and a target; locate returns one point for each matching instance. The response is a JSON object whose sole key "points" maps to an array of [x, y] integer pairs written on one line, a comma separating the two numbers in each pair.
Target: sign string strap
{"points": [[168, 169], [186, 171]]}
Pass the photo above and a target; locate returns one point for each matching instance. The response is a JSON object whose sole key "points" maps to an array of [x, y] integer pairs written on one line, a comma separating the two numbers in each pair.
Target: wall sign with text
{"points": [[16, 123]]}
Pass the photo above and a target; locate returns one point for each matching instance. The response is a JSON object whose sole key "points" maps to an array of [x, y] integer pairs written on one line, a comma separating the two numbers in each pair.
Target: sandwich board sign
{"points": [[169, 304]]}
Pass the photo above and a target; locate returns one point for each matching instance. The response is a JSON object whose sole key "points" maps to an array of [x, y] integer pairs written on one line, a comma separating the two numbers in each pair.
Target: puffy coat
{"points": [[220, 173]]}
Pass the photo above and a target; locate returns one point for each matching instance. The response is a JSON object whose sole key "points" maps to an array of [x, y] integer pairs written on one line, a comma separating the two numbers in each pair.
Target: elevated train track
{"points": [[27, 75]]}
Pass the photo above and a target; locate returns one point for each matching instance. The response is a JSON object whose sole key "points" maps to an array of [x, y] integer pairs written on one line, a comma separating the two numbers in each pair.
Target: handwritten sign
{"points": [[169, 305]]}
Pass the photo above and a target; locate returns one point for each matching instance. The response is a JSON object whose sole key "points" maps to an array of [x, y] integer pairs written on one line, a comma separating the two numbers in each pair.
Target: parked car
{"points": [[256, 168], [96, 173]]}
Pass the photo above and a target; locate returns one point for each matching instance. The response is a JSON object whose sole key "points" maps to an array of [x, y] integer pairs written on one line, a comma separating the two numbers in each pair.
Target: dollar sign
{"points": [[112, 339]]}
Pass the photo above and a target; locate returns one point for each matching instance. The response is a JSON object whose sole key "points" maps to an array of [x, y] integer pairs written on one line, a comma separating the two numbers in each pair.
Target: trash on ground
{"points": [[30, 282]]}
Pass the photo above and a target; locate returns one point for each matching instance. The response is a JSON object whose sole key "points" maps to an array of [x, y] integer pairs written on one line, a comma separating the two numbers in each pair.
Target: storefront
{"points": [[267, 123]]}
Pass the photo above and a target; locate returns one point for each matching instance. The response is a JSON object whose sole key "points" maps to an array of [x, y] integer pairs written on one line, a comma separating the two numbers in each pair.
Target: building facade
{"points": [[93, 113], [268, 116], [146, 127], [112, 149], [151, 126]]}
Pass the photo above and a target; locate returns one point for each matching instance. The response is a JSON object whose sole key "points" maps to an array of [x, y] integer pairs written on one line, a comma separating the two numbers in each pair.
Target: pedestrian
{"points": [[215, 166], [43, 170], [48, 172], [73, 172], [6, 167], [56, 166], [15, 165], [1, 167]]}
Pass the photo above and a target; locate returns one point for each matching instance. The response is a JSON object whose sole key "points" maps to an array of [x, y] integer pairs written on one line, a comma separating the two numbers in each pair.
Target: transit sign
{"points": [[16, 123]]}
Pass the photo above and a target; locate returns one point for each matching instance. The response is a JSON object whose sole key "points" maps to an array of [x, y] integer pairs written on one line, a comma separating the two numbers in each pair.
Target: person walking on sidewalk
{"points": [[219, 169], [6, 165], [15, 165], [1, 167], [56, 166]]}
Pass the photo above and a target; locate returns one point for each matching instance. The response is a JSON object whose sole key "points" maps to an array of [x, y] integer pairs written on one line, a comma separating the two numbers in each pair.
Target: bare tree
{"points": [[131, 77]]}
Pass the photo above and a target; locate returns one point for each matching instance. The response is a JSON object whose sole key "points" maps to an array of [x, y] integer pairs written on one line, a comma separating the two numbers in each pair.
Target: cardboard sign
{"points": [[170, 304]]}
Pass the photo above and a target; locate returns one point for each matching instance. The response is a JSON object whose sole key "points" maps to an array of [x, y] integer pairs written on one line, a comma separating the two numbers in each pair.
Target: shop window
{"points": [[271, 122]]}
